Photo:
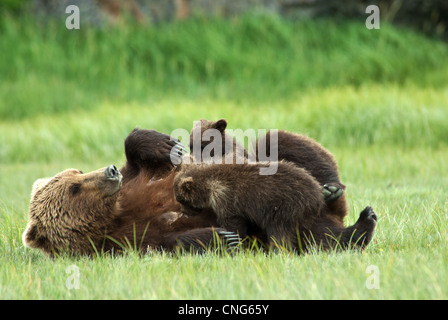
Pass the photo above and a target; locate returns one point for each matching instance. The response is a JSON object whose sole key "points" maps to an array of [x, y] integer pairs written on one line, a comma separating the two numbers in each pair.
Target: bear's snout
{"points": [[112, 173]]}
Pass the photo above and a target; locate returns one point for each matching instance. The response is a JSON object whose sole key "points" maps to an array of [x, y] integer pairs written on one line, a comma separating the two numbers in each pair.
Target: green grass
{"points": [[255, 58], [376, 100]]}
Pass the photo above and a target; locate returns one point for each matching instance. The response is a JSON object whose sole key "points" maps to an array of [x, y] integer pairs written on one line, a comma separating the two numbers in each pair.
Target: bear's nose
{"points": [[112, 172]]}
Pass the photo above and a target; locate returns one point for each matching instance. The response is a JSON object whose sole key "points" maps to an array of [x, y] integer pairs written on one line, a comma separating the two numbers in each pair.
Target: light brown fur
{"points": [[61, 220]]}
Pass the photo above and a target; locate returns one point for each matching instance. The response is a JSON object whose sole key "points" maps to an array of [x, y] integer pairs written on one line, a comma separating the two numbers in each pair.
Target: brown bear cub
{"points": [[211, 136], [312, 156], [286, 209], [328, 231], [281, 204], [299, 149], [106, 210]]}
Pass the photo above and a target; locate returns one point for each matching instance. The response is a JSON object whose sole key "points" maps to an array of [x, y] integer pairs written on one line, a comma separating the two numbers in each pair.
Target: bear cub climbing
{"points": [[281, 204], [208, 137]]}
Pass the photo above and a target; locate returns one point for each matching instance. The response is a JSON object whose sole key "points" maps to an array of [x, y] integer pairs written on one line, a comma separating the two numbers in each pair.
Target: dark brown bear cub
{"points": [[299, 149], [209, 142], [282, 205]]}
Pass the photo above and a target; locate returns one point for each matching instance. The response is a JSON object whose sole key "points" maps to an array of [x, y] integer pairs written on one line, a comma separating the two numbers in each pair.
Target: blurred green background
{"points": [[168, 61], [378, 99]]}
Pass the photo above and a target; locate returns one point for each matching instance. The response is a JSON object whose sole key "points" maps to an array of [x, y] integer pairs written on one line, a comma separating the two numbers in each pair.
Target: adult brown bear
{"points": [[105, 210]]}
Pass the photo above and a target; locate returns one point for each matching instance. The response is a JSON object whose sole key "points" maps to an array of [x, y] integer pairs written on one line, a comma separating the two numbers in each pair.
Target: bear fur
{"points": [[308, 154], [206, 132], [287, 208], [328, 228], [107, 210], [279, 204], [68, 209], [101, 211], [296, 148]]}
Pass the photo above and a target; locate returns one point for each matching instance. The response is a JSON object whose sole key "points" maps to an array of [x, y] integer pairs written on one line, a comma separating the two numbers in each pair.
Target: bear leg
{"points": [[361, 233], [329, 233], [284, 235]]}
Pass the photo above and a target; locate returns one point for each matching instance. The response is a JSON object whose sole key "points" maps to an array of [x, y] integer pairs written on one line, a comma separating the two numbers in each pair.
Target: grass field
{"points": [[378, 101]]}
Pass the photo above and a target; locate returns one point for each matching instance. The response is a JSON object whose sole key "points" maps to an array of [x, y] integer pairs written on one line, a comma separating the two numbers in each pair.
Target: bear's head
{"points": [[190, 192], [71, 211], [208, 133], [210, 142], [203, 125]]}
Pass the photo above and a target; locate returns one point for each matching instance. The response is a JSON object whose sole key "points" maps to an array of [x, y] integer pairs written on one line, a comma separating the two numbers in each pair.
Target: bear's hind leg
{"points": [[361, 233], [330, 234], [284, 236]]}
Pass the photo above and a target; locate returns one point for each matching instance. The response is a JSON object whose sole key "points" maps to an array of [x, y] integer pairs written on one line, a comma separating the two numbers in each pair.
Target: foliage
{"points": [[14, 6], [262, 55]]}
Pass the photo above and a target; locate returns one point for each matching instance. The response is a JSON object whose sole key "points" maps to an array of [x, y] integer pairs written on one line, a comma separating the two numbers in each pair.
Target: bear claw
{"points": [[232, 239], [365, 227], [181, 148], [177, 152], [368, 214]]}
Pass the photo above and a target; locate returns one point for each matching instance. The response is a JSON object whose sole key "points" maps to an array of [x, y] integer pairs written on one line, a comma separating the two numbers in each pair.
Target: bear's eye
{"points": [[81, 172], [76, 188]]}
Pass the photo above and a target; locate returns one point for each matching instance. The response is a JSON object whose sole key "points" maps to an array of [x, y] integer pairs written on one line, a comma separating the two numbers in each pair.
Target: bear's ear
{"points": [[30, 237], [221, 125], [186, 184], [38, 184]]}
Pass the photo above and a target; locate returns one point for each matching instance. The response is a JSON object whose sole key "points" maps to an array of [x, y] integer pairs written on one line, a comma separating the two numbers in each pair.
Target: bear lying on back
{"points": [[104, 210], [81, 212]]}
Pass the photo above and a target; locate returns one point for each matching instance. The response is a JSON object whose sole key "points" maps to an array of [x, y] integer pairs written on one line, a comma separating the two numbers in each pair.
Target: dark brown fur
{"points": [[308, 154], [286, 208], [80, 213], [229, 146], [279, 204], [296, 148]]}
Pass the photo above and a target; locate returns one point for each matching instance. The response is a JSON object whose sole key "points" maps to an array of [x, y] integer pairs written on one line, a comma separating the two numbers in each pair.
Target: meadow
{"points": [[377, 99]]}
